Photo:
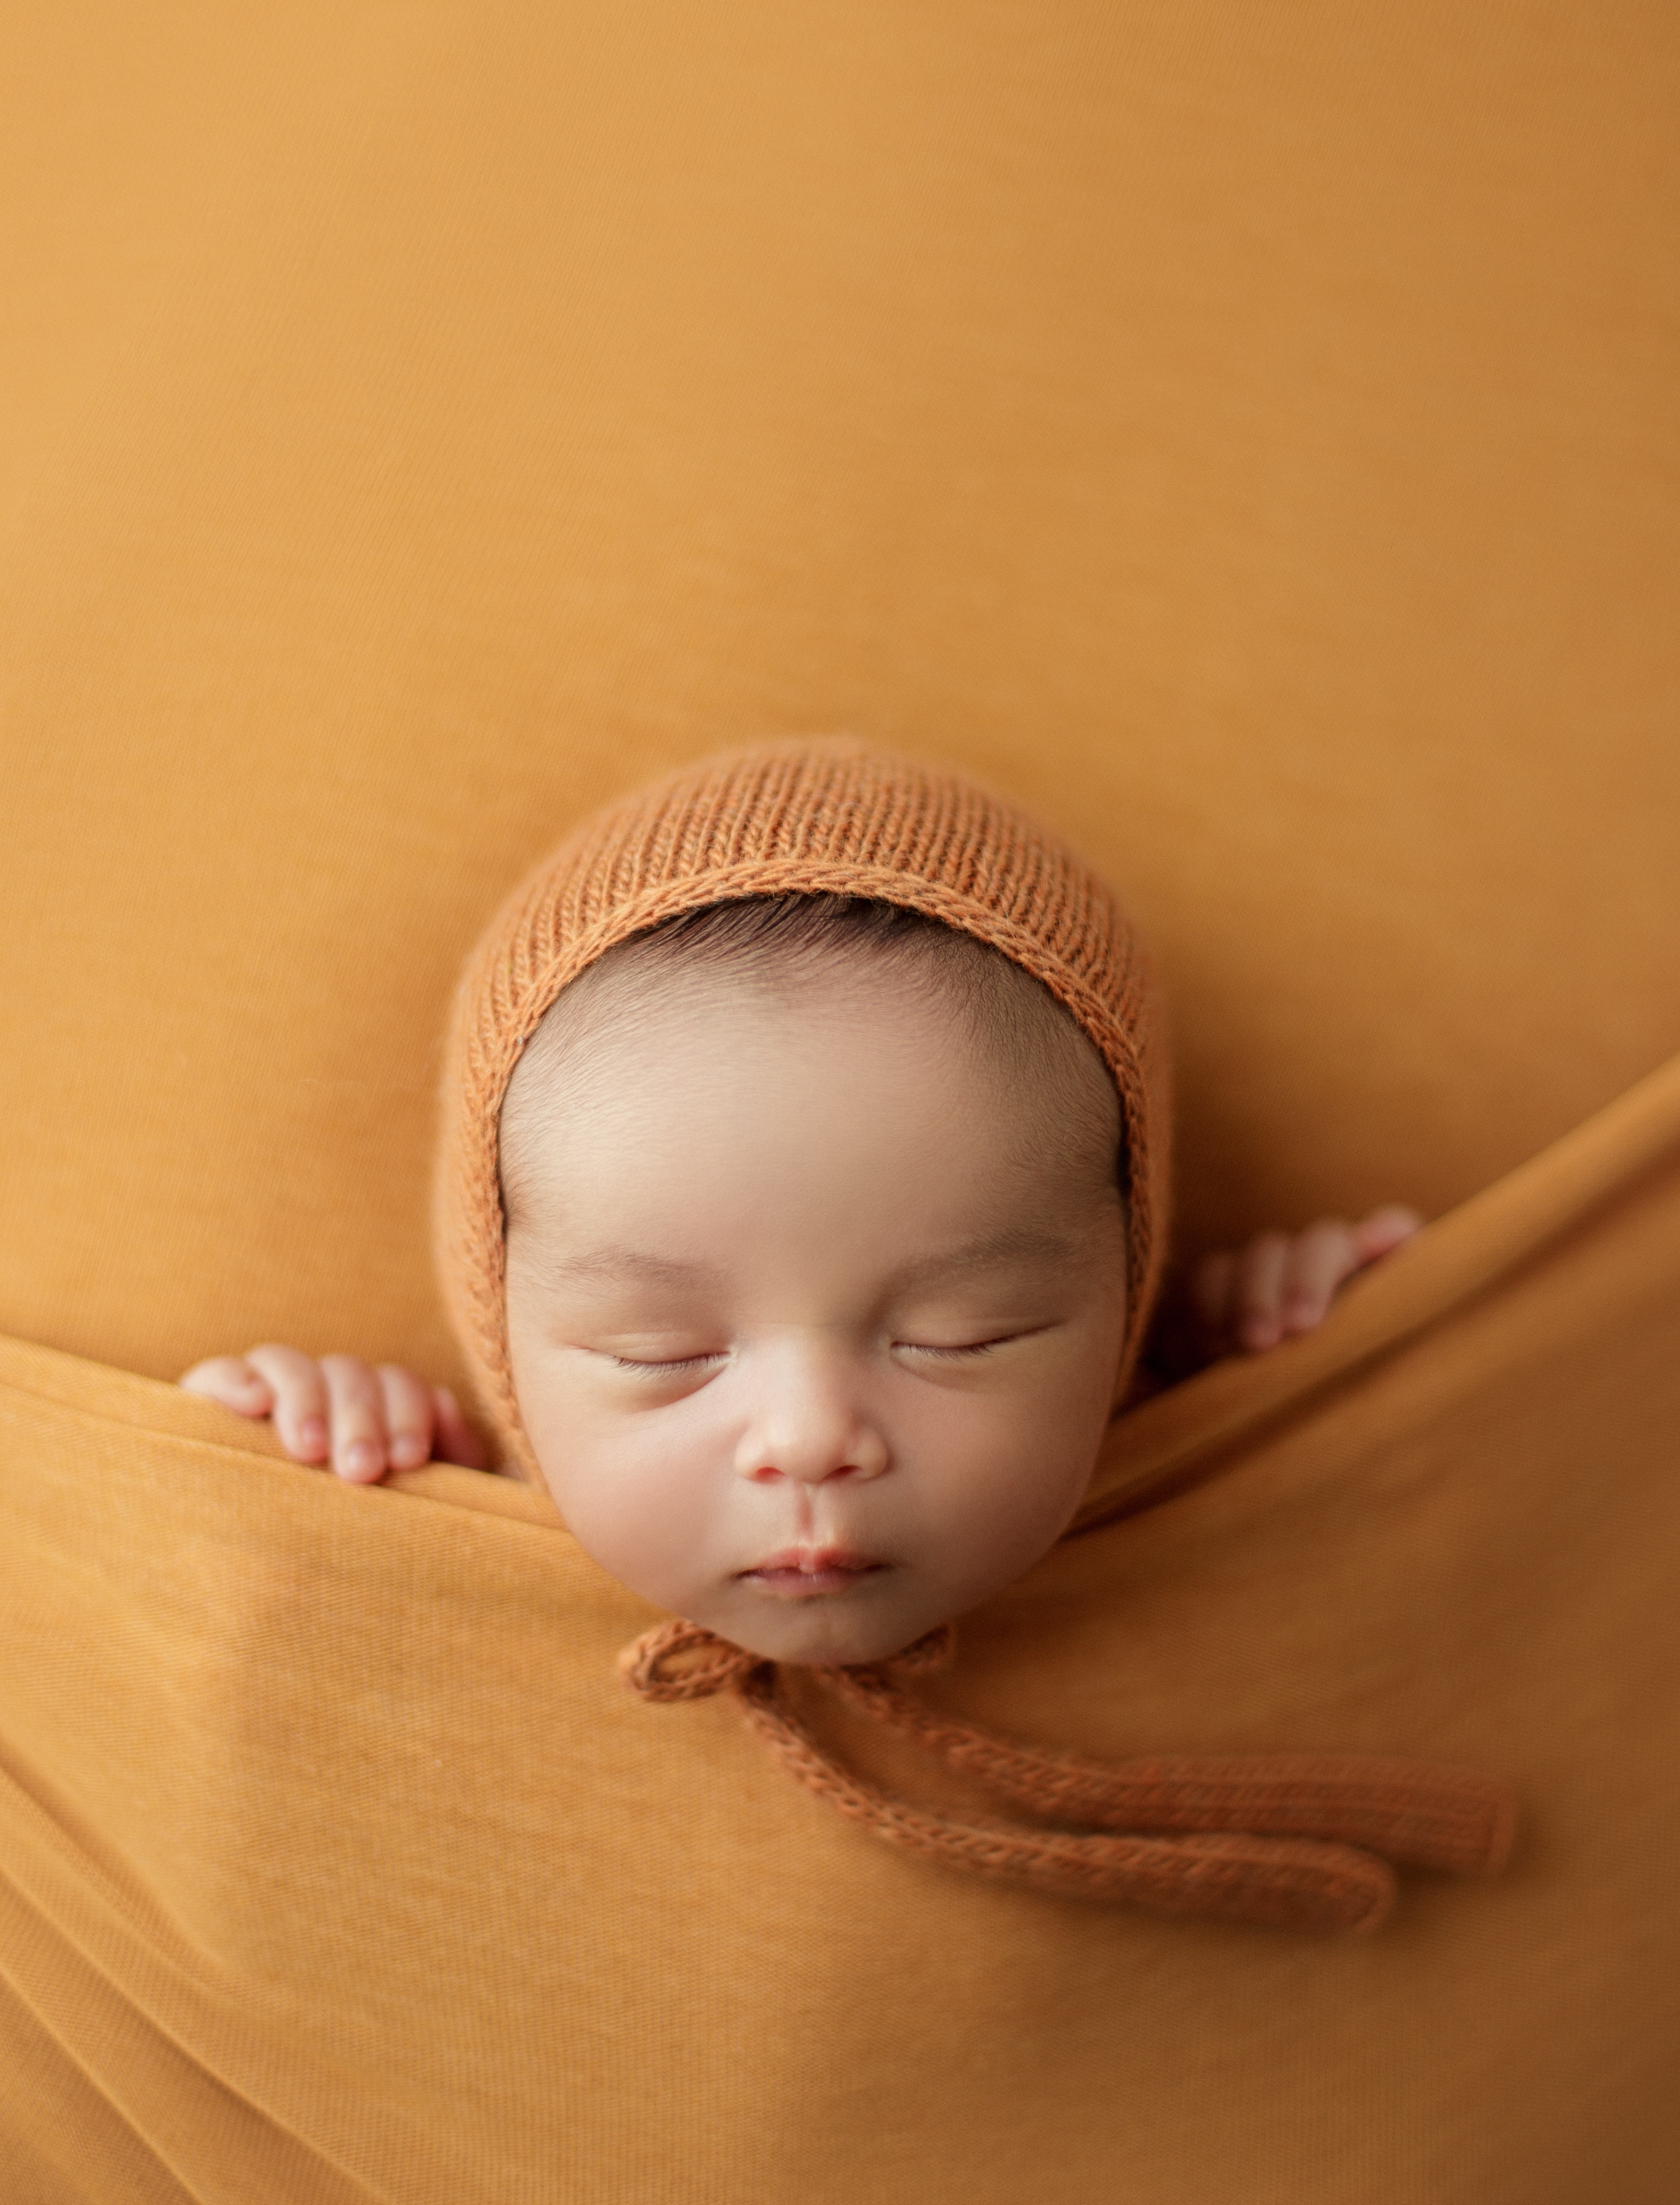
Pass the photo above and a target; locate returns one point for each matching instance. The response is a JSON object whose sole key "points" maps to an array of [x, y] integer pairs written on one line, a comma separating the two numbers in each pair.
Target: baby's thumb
{"points": [[230, 1380], [1384, 1231]]}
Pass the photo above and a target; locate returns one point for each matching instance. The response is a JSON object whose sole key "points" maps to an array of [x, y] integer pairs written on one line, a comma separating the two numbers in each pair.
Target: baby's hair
{"points": [[775, 942]]}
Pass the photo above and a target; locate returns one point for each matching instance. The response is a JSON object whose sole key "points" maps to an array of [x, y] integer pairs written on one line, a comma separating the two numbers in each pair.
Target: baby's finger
{"points": [[1384, 1230], [408, 1416], [231, 1380], [357, 1410], [1318, 1260], [456, 1441], [1259, 1290], [300, 1399]]}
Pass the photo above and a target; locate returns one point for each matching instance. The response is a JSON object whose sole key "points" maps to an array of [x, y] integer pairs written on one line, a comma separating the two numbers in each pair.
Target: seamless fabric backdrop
{"points": [[1245, 435]]}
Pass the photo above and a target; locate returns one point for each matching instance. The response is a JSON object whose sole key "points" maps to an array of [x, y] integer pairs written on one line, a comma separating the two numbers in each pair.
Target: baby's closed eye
{"points": [[669, 1365], [968, 1350]]}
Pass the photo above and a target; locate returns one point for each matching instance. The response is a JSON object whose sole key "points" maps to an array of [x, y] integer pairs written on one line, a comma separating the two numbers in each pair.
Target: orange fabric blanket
{"points": [[338, 1864]]}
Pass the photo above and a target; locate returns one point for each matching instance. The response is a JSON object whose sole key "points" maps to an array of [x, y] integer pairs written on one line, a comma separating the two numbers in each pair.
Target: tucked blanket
{"points": [[337, 1863]]}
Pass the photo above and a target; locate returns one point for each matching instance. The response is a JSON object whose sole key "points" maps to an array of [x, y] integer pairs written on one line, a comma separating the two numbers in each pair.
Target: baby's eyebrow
{"points": [[612, 1263], [1014, 1244], [986, 1251]]}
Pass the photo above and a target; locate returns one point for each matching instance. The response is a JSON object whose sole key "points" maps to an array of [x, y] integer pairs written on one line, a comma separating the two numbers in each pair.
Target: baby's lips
{"points": [[805, 1572], [813, 1562]]}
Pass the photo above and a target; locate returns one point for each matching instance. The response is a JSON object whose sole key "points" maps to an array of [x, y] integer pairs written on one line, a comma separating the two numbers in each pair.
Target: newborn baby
{"points": [[811, 1249]]}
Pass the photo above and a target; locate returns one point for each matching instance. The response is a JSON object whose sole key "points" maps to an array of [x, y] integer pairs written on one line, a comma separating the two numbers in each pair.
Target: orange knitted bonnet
{"points": [[794, 817]]}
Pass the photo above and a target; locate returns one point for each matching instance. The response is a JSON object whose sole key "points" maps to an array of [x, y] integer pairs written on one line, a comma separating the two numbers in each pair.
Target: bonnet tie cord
{"points": [[1293, 1841]]}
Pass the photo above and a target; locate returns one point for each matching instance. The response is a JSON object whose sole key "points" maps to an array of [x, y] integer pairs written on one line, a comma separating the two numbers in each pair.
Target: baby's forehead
{"points": [[864, 1114], [643, 1029], [841, 978]]}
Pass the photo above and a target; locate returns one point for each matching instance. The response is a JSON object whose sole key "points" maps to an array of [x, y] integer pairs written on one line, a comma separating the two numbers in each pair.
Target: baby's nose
{"points": [[803, 1473], [811, 1442]]}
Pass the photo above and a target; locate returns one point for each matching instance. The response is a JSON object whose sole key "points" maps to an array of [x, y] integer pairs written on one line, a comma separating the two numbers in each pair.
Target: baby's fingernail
{"points": [[312, 1435], [363, 1455], [407, 1448]]}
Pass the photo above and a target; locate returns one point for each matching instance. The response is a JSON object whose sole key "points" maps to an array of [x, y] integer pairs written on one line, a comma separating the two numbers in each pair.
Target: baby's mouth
{"points": [[802, 1573]]}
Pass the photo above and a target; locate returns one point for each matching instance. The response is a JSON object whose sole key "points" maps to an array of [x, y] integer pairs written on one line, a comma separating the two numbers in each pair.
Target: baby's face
{"points": [[815, 1310]]}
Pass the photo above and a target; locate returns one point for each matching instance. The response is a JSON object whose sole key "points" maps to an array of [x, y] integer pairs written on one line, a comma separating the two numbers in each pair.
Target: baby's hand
{"points": [[1283, 1283], [364, 1420]]}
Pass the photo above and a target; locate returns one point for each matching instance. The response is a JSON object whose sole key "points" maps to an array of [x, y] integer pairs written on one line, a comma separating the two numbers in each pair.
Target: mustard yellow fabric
{"points": [[1244, 437], [339, 1864]]}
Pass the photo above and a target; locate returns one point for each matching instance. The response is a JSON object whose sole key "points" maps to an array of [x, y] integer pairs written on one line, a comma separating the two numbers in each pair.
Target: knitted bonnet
{"points": [[806, 818]]}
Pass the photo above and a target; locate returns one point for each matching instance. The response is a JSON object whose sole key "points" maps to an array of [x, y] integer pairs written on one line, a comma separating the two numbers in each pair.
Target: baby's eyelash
{"points": [[679, 1363], [956, 1354]]}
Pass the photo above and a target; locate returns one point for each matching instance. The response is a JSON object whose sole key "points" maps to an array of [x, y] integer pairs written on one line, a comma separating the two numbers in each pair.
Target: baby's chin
{"points": [[866, 1622]]}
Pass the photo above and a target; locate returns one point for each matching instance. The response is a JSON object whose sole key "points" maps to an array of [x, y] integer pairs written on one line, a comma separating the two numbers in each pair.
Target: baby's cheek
{"points": [[643, 1512], [999, 1483]]}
